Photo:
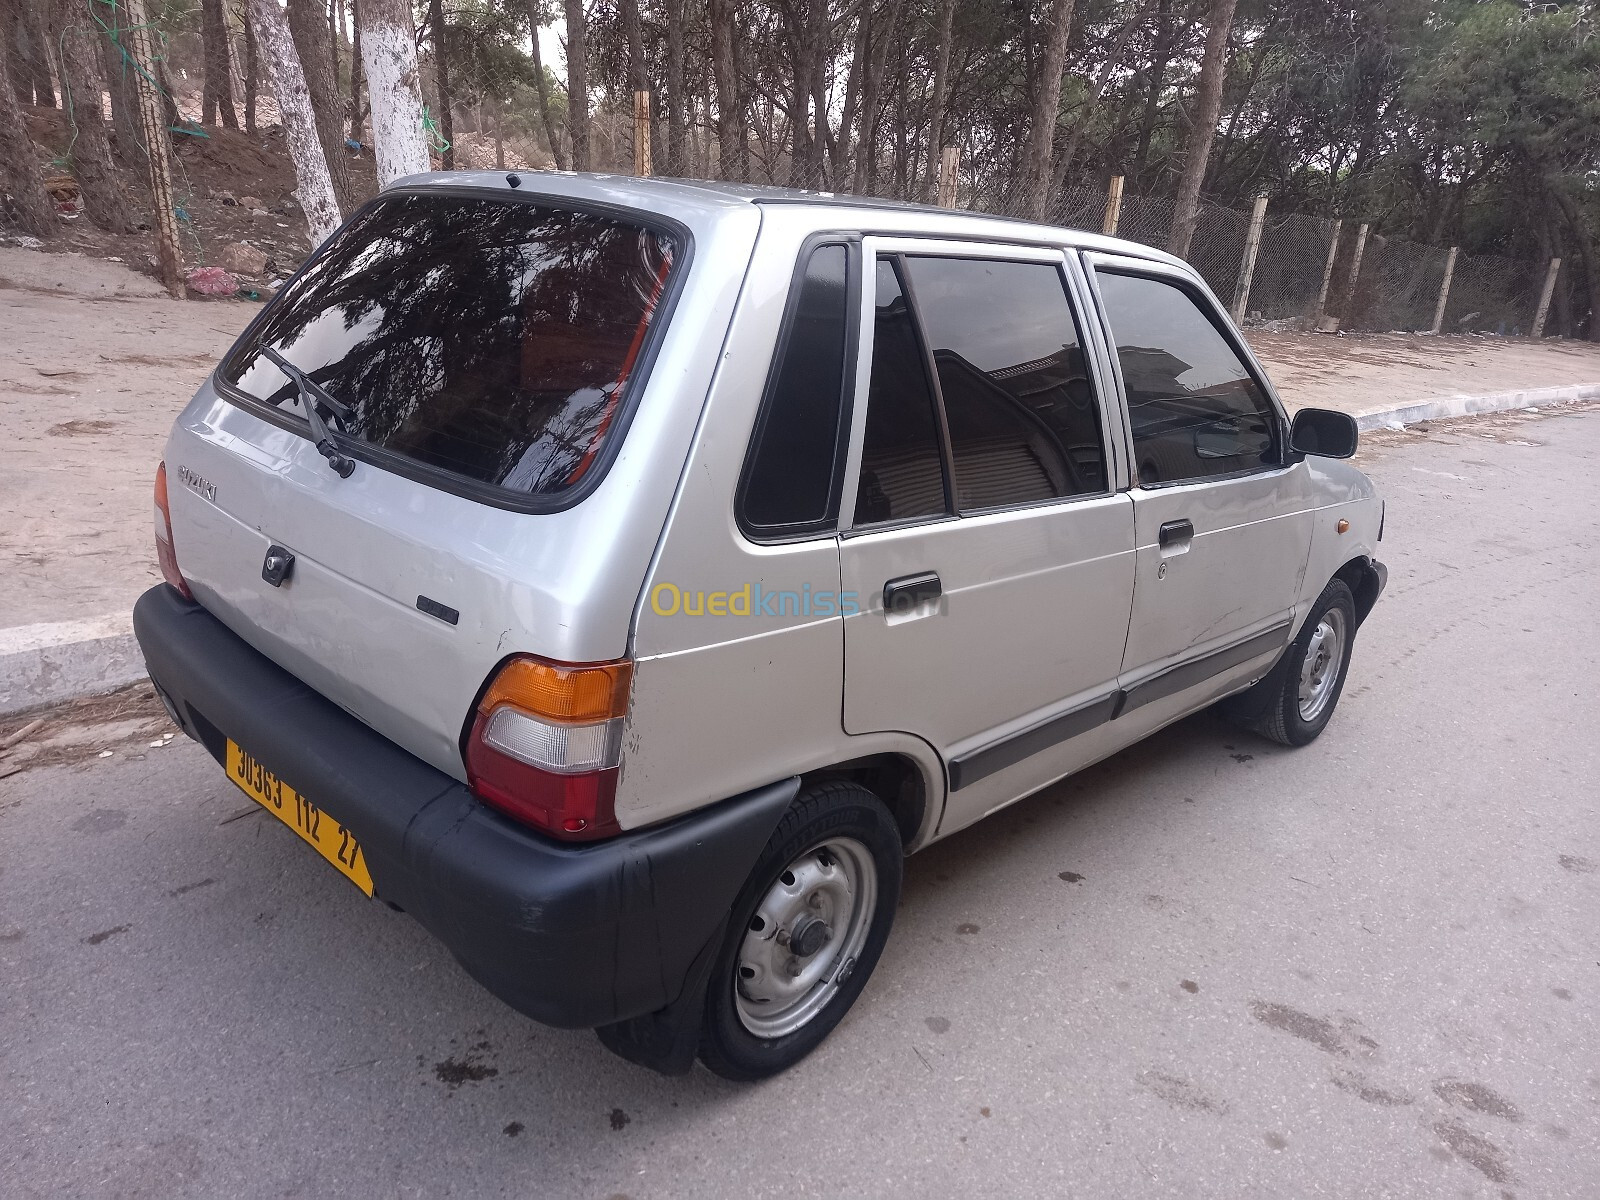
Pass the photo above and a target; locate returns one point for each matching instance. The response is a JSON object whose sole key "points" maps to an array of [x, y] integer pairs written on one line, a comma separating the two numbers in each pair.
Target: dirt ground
{"points": [[90, 383], [213, 175]]}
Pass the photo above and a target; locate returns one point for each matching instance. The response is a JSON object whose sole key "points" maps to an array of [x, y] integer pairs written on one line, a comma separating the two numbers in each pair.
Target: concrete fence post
{"points": [[1327, 273], [1113, 206], [1544, 297], [1355, 275], [641, 133], [1444, 289], [1247, 268], [949, 167]]}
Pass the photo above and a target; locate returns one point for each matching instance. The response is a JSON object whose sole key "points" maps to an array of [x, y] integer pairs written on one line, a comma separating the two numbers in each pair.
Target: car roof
{"points": [[672, 196]]}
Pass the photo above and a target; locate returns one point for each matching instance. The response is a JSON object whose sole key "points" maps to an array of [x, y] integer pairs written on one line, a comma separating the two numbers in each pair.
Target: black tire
{"points": [[822, 812], [1272, 708]]}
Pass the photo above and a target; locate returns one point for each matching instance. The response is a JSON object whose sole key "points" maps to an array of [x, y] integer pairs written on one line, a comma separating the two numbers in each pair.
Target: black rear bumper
{"points": [[571, 935]]}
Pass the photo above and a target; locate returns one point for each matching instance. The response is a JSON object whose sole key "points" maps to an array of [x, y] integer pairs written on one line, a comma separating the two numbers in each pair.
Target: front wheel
{"points": [[1305, 688], [805, 933]]}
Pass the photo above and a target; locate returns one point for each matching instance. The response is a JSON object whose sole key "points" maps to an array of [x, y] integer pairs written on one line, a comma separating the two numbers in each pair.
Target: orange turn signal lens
{"points": [[561, 693]]}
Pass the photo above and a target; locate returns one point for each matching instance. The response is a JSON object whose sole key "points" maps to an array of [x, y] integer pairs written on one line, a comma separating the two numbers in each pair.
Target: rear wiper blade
{"points": [[313, 398]]}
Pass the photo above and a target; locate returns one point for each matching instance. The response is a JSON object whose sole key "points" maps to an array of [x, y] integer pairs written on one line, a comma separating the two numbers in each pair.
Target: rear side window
{"points": [[1194, 408], [790, 479], [496, 340], [902, 472], [1024, 424]]}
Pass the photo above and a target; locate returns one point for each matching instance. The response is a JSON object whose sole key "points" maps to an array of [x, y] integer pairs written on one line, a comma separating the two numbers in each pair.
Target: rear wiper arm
{"points": [[313, 398]]}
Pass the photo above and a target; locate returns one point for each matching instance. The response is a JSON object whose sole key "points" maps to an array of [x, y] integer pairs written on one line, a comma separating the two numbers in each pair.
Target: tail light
{"points": [[546, 745], [165, 554]]}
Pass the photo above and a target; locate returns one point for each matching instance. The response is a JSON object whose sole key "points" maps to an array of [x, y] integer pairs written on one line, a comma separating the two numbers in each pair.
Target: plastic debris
{"points": [[211, 281]]}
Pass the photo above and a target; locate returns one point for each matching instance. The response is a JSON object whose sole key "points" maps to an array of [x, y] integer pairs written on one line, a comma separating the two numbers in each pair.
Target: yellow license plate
{"points": [[330, 839]]}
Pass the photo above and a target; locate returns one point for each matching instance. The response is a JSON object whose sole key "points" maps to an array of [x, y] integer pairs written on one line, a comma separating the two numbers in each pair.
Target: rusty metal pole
{"points": [[1113, 206], [641, 133], [1247, 268], [949, 166], [169, 255], [1544, 297]]}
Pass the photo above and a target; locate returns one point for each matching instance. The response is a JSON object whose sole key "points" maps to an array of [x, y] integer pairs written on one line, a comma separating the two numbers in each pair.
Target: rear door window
{"points": [[496, 341], [1195, 409], [1024, 422], [902, 468]]}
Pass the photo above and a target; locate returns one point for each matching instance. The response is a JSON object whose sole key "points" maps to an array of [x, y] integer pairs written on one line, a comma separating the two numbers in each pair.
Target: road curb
{"points": [[65, 660], [51, 663], [1398, 415]]}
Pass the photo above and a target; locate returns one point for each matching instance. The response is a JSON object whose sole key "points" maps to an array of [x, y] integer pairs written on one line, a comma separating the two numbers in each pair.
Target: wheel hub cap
{"points": [[1319, 669], [804, 937]]}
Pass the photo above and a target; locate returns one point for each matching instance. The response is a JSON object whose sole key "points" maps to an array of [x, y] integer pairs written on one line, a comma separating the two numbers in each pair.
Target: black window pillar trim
{"points": [[852, 343]]}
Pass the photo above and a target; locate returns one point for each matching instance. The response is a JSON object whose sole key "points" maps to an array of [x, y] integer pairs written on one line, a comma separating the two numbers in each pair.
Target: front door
{"points": [[1222, 526], [988, 550]]}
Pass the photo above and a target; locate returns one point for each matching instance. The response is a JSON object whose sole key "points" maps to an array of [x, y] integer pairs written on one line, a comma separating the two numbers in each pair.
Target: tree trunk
{"points": [[129, 144], [19, 164], [879, 37], [578, 84], [1152, 96], [217, 91], [1037, 166], [941, 95], [677, 99], [733, 148], [389, 55], [308, 26], [104, 200], [822, 132], [541, 86], [638, 70], [1583, 236], [441, 81], [286, 73], [35, 28], [358, 71], [252, 73], [1202, 127]]}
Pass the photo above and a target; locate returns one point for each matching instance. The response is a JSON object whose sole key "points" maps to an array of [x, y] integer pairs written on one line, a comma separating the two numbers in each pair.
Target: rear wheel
{"points": [[806, 932]]}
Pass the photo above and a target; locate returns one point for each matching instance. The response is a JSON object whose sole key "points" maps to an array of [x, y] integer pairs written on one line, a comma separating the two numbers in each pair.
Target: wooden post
{"points": [[1444, 289], [1355, 274], [641, 133], [1544, 297], [1113, 206], [151, 119], [1247, 268], [1327, 274], [949, 167]]}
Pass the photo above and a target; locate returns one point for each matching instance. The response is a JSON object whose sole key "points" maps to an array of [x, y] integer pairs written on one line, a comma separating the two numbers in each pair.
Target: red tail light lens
{"points": [[546, 745], [165, 554]]}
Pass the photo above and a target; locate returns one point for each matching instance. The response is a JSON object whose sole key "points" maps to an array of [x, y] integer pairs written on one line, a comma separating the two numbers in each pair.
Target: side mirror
{"points": [[1323, 432]]}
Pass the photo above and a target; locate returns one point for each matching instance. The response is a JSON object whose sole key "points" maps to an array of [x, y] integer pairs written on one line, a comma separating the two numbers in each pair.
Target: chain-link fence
{"points": [[1396, 285]]}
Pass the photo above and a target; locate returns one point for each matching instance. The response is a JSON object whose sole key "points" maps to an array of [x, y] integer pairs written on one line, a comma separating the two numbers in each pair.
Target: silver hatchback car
{"points": [[621, 576]]}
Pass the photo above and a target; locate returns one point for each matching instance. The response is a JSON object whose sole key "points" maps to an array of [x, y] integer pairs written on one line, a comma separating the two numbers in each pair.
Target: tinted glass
{"points": [[789, 482], [901, 471], [494, 339], [1023, 422], [1195, 410]]}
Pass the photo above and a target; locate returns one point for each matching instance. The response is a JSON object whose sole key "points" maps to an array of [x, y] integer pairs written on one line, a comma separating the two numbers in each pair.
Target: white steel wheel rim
{"points": [[1319, 669], [802, 942]]}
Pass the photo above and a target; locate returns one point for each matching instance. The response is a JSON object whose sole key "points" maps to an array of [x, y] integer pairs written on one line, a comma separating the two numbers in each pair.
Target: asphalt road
{"points": [[1208, 967]]}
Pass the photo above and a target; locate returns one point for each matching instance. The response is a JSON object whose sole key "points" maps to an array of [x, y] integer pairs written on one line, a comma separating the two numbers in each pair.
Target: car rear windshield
{"points": [[493, 339]]}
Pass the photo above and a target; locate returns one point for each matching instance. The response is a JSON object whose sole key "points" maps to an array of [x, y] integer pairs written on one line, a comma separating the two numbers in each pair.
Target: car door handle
{"points": [[908, 591], [1173, 532]]}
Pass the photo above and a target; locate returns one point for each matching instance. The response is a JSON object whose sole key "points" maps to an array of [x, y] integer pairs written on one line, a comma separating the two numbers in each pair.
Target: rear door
{"points": [[1222, 525], [986, 550]]}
